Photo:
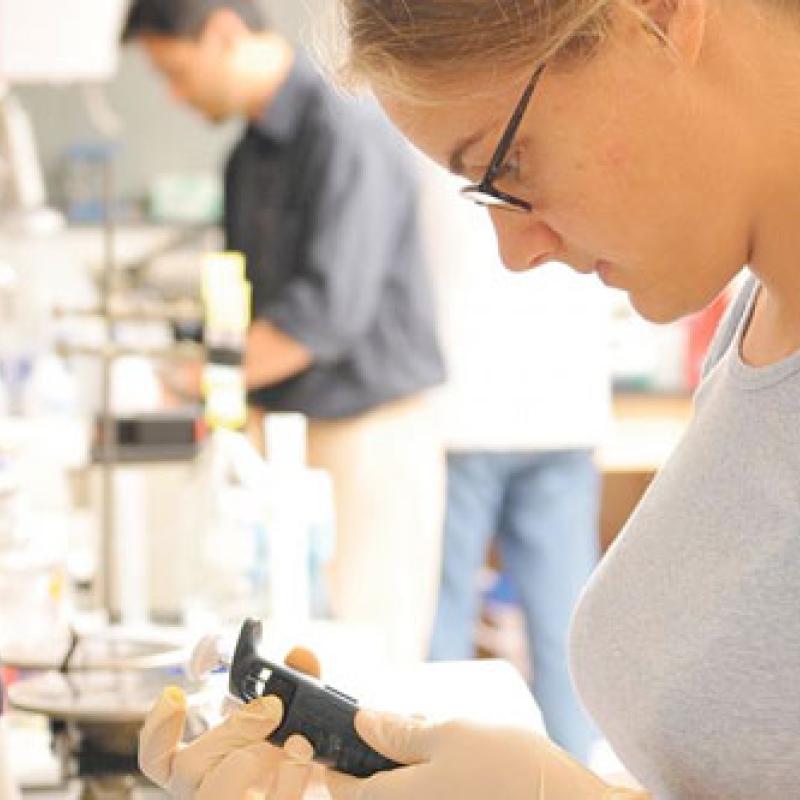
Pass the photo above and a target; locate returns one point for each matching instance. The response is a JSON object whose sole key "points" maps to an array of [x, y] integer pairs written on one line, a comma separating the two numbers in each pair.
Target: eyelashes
{"points": [[510, 168]]}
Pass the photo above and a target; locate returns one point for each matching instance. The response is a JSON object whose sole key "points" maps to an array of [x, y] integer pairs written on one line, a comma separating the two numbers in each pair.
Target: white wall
{"points": [[158, 134]]}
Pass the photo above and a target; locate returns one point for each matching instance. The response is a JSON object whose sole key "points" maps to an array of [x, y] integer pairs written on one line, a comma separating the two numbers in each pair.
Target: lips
{"points": [[604, 270], [537, 262]]}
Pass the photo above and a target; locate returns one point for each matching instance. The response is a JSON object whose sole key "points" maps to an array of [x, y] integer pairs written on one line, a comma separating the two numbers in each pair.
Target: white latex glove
{"points": [[229, 762], [468, 761]]}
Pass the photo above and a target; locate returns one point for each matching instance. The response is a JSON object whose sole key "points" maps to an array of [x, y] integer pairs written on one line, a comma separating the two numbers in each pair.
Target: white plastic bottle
{"points": [[8, 786], [288, 518]]}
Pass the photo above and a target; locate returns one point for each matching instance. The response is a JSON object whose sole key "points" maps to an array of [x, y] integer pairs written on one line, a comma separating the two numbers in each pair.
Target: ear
{"points": [[224, 28], [681, 24]]}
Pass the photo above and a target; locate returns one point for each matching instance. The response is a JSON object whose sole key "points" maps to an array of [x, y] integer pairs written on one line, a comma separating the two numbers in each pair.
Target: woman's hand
{"points": [[468, 761], [231, 761], [228, 761]]}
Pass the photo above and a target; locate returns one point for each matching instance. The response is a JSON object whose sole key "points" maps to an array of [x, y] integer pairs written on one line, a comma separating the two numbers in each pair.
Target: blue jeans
{"points": [[543, 509]]}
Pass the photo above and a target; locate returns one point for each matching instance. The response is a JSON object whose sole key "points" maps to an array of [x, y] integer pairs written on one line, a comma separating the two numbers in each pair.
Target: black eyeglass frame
{"points": [[486, 193]]}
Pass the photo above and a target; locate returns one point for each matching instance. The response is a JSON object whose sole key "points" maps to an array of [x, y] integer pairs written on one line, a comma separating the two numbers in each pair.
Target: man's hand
{"points": [[184, 379], [272, 356]]}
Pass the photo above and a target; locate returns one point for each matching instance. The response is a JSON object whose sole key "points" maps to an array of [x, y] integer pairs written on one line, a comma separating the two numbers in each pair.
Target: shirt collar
{"points": [[280, 119]]}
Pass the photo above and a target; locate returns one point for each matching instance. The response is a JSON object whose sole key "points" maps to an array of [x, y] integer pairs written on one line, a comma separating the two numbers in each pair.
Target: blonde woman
{"points": [[656, 144]]}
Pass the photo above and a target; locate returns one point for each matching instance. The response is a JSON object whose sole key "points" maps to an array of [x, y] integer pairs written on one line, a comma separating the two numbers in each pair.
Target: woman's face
{"points": [[631, 163]]}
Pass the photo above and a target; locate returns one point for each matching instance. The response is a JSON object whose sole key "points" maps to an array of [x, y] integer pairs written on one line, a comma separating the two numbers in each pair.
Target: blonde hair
{"points": [[420, 47]]}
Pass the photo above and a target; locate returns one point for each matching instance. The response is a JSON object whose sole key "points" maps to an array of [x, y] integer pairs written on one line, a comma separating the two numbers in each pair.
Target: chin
{"points": [[660, 313]]}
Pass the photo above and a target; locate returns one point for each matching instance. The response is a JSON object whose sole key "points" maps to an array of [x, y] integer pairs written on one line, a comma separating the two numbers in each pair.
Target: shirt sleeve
{"points": [[358, 213]]}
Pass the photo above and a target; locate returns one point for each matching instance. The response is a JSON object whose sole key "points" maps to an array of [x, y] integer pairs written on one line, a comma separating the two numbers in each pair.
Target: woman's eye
{"points": [[509, 169]]}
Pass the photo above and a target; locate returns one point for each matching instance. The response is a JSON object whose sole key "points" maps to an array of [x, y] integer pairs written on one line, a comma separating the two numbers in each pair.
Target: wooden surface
{"points": [[644, 432]]}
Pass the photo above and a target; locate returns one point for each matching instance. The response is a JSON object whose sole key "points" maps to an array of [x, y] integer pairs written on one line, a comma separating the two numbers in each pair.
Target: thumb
{"points": [[248, 725], [161, 735], [407, 740]]}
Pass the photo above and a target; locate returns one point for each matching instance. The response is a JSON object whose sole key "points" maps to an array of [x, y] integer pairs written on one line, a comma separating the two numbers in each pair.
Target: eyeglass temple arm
{"points": [[511, 129]]}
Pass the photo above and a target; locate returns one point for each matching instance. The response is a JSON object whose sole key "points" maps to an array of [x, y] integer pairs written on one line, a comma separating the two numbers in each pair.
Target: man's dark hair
{"points": [[185, 18]]}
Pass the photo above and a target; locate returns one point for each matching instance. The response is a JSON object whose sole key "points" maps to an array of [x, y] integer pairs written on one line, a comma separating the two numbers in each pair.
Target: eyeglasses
{"points": [[486, 193]]}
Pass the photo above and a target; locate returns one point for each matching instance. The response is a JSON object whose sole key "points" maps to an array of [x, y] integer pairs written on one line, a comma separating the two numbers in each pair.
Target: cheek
{"points": [[612, 181], [613, 193], [588, 196], [610, 160], [597, 162], [615, 156]]}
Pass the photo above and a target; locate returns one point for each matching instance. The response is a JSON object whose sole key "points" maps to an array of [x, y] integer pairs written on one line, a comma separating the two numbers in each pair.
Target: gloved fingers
{"points": [[196, 724], [562, 776], [304, 660], [299, 749], [249, 725], [344, 787], [248, 769], [398, 784], [230, 705], [292, 780], [161, 734], [407, 740]]}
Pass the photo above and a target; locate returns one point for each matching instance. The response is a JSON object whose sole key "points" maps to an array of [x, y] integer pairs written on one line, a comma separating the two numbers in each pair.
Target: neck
{"points": [[769, 77], [263, 63]]}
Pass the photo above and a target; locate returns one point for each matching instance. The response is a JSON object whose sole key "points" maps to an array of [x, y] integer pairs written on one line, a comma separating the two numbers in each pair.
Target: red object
{"points": [[7, 677], [200, 430], [701, 328]]}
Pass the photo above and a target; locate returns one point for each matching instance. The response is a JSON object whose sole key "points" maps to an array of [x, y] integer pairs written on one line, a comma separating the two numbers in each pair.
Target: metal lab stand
{"points": [[96, 696], [107, 453], [95, 718]]}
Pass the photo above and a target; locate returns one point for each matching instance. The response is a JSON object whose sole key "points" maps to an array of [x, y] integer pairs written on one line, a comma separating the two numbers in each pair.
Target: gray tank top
{"points": [[685, 647]]}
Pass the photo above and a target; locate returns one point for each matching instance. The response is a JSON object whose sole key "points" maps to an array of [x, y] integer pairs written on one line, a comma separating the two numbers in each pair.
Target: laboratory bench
{"points": [[166, 254], [440, 691]]}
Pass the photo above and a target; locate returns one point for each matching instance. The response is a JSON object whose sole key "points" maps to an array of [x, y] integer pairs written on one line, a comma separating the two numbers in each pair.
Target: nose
{"points": [[524, 240]]}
